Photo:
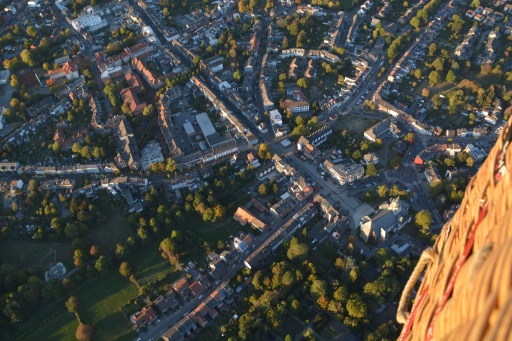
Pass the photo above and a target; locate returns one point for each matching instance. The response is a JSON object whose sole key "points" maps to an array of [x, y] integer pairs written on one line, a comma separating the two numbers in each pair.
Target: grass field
{"points": [[353, 124], [346, 4], [150, 267], [99, 300], [213, 232], [39, 255], [115, 230]]}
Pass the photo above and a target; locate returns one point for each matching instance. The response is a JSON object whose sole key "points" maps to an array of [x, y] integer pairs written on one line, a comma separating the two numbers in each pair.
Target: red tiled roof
{"points": [[196, 288], [145, 316], [129, 96], [181, 285]]}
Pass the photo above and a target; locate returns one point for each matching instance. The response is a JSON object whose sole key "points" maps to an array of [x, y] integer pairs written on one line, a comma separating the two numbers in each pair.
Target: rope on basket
{"points": [[402, 315]]}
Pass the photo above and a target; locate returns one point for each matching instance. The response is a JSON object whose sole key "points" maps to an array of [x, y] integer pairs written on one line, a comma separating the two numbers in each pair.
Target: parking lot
{"points": [[186, 114]]}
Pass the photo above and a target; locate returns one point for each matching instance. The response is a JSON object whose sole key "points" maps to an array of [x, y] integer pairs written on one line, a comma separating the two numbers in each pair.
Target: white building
{"points": [[4, 76], [86, 21], [2, 118], [275, 117]]}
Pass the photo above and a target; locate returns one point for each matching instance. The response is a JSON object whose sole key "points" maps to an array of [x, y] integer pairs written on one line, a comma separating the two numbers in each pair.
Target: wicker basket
{"points": [[465, 293]]}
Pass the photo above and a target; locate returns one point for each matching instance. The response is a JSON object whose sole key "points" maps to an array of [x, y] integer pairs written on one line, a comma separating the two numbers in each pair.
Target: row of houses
{"points": [[258, 257], [310, 54], [15, 167]]}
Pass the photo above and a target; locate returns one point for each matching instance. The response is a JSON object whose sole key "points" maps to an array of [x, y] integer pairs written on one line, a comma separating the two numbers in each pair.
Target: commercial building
{"points": [[344, 174], [88, 21]]}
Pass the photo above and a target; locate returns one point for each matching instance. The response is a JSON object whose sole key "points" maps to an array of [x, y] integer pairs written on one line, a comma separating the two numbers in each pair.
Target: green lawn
{"points": [[99, 300], [346, 4], [213, 232], [150, 267], [115, 230], [28, 253], [61, 326]]}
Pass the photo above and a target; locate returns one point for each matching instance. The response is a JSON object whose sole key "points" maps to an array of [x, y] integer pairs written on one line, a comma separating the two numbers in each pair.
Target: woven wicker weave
{"points": [[466, 291]]}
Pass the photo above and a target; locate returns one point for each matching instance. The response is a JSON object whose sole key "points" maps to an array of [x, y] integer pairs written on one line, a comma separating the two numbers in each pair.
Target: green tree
{"points": [[264, 153], [121, 251], [356, 154], [168, 247], [438, 64], [171, 165], [395, 162], [371, 170], [31, 31], [369, 105], [434, 78], [237, 75], [72, 305], [356, 307], [409, 138], [284, 44], [14, 81], [318, 288], [28, 58], [451, 76], [125, 269], [297, 250], [263, 190], [102, 264], [432, 48], [341, 294], [470, 162], [148, 111], [382, 190], [303, 83], [423, 219]]}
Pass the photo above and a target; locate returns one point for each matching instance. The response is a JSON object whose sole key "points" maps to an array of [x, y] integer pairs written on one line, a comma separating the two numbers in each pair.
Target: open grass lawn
{"points": [[325, 254], [100, 302], [290, 326], [103, 298], [212, 232], [39, 255], [353, 124], [437, 89], [115, 230], [346, 4], [150, 267]]}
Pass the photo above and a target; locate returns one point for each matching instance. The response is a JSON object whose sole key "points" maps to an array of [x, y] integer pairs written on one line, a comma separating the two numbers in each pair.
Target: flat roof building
{"points": [[205, 124]]}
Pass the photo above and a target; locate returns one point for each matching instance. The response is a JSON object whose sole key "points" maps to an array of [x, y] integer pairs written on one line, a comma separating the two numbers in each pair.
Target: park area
{"points": [[100, 302], [102, 298]]}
